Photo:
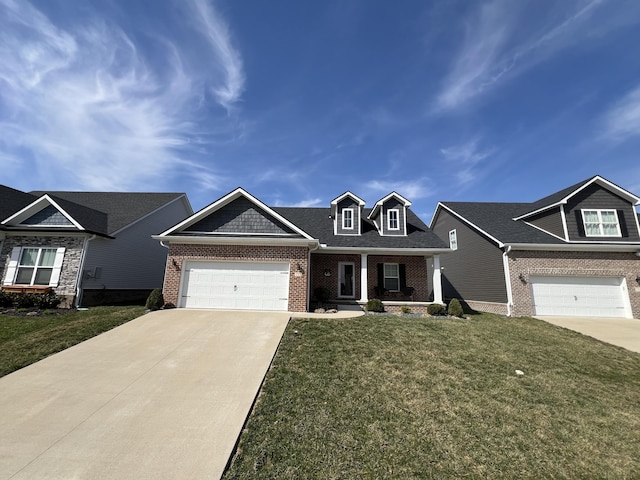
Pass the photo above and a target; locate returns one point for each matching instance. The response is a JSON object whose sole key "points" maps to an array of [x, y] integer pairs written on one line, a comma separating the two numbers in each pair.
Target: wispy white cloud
{"points": [[465, 158], [622, 120], [410, 189], [502, 40], [82, 106], [309, 202]]}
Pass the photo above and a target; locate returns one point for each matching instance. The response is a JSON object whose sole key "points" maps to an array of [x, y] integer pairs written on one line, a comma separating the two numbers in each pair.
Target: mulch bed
{"points": [[33, 312]]}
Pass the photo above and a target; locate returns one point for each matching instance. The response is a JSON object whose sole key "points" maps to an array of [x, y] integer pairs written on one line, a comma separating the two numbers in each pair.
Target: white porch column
{"points": [[437, 280], [364, 287]]}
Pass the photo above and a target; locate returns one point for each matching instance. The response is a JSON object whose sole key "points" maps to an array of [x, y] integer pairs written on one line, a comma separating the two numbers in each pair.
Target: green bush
{"points": [[375, 305], [405, 309], [46, 301], [24, 300], [6, 299], [155, 300], [436, 309], [455, 308]]}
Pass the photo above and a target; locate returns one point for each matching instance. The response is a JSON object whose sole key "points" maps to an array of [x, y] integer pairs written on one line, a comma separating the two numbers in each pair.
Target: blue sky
{"points": [[298, 101]]}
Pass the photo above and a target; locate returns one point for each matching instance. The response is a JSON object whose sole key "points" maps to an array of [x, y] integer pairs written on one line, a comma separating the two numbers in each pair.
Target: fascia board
{"points": [[472, 225], [381, 202], [360, 201], [35, 207], [385, 251], [579, 247], [205, 240]]}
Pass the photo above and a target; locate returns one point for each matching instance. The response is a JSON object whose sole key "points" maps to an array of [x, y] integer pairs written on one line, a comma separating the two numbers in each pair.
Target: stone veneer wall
{"points": [[294, 255], [70, 265], [596, 264]]}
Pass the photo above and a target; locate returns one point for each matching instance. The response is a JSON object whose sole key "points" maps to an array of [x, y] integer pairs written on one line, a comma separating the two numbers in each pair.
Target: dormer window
{"points": [[347, 218], [601, 223], [393, 222]]}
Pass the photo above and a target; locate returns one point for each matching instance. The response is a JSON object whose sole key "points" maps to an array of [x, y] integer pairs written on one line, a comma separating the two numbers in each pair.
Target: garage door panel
{"points": [[579, 296], [236, 285]]}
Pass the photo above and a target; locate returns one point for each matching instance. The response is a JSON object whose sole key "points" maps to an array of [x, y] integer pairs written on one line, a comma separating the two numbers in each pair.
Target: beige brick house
{"points": [[573, 253], [238, 253]]}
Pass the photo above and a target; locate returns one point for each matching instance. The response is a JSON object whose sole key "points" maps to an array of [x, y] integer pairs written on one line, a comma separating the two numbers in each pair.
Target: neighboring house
{"points": [[90, 247], [575, 252], [238, 253]]}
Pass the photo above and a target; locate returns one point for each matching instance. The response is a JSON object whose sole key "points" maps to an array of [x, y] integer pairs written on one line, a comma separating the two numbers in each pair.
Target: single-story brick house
{"points": [[238, 253], [573, 253], [89, 247]]}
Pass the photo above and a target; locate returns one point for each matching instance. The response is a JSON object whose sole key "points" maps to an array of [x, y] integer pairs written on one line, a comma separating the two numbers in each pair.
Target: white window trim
{"points": [[453, 239], [342, 280], [397, 212], [350, 210], [14, 266], [599, 212], [384, 276]]}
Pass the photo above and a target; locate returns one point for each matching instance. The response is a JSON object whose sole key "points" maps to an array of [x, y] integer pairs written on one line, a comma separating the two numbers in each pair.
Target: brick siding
{"points": [[416, 271], [322, 262], [592, 264], [294, 255]]}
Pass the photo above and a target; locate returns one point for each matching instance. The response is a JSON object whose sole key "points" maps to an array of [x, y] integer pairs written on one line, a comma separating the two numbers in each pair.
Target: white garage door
{"points": [[235, 285], [580, 296]]}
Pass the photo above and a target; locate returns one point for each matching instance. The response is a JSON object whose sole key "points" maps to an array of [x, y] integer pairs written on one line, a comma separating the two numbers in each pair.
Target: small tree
{"points": [[455, 308], [155, 301]]}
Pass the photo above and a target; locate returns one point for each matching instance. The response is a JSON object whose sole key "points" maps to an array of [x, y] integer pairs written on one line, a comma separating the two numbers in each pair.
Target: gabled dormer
{"points": [[594, 210], [346, 211], [389, 215]]}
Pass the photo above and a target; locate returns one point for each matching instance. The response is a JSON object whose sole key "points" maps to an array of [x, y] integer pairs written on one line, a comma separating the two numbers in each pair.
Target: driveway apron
{"points": [[164, 396]]}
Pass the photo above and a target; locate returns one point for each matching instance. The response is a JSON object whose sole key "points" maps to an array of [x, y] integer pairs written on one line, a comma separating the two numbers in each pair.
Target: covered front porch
{"points": [[396, 278]]}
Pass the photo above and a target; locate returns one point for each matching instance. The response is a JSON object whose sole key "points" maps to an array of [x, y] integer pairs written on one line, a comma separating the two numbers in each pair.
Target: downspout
{"points": [[311, 249], [79, 291], [507, 278]]}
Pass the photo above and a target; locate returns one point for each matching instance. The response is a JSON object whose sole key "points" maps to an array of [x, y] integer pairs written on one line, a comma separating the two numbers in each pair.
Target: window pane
{"points": [[591, 216], [610, 229], [592, 229], [390, 269], [43, 275], [47, 257], [24, 276], [391, 284], [29, 256]]}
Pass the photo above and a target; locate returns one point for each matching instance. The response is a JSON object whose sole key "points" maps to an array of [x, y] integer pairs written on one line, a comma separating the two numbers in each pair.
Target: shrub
{"points": [[45, 301], [6, 299], [455, 308], [155, 300], [322, 294], [436, 309], [405, 309], [375, 305], [24, 300]]}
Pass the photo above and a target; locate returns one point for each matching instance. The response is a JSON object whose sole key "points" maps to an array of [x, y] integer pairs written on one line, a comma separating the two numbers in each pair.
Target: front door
{"points": [[346, 278]]}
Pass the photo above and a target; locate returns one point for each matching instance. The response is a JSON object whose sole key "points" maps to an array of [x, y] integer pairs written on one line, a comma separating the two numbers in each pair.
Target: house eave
{"points": [[415, 252], [575, 247], [262, 241]]}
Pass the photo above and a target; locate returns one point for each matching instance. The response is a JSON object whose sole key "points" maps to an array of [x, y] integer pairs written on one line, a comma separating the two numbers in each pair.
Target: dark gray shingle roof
{"points": [[12, 201], [318, 223]]}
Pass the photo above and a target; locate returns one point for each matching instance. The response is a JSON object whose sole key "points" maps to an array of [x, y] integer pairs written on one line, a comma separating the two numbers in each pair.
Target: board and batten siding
{"points": [[133, 260], [596, 197], [475, 271], [549, 221]]}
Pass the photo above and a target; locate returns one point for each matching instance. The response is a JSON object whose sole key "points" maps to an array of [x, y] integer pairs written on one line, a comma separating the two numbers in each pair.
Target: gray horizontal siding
{"points": [[392, 204], [475, 270], [549, 221], [596, 197], [348, 203]]}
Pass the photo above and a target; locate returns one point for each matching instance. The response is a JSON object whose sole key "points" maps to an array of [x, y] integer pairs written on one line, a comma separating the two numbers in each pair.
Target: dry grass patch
{"points": [[390, 397]]}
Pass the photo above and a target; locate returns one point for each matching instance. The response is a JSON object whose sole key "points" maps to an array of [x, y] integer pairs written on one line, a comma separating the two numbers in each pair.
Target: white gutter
{"points": [[385, 251], [271, 241], [568, 247], [507, 278], [85, 247]]}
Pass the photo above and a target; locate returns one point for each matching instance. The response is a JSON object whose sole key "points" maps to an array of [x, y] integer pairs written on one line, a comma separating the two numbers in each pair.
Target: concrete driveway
{"points": [[164, 396], [623, 332]]}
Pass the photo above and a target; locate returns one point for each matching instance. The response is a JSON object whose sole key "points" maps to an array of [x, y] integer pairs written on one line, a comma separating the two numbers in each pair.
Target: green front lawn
{"points": [[25, 340], [392, 397]]}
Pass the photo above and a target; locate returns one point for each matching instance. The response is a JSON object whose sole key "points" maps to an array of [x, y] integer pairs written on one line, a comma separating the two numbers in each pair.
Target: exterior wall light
{"points": [[327, 272], [638, 279], [522, 278]]}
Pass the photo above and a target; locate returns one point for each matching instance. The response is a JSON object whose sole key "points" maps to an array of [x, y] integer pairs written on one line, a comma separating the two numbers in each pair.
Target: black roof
{"points": [[12, 201], [108, 212], [317, 222]]}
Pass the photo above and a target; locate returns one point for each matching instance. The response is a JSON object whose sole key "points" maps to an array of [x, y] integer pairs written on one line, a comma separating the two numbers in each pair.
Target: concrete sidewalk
{"points": [[164, 396], [623, 332]]}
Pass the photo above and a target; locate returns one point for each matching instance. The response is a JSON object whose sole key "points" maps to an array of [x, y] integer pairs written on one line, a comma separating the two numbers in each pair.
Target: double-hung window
{"points": [[391, 277], [453, 240], [35, 266], [601, 223], [347, 218], [393, 222]]}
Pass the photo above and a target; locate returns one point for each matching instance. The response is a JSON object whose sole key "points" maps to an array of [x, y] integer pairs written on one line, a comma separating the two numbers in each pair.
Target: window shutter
{"points": [[57, 268], [403, 276], [13, 266], [381, 275]]}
